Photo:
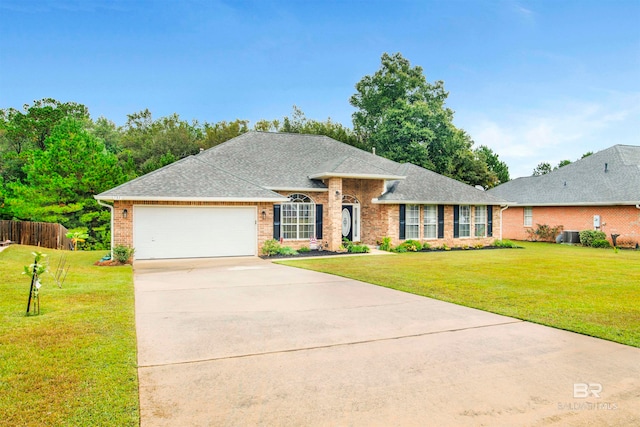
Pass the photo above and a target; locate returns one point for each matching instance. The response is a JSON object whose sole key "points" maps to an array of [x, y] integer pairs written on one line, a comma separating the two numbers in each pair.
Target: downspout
{"points": [[111, 229], [502, 210]]}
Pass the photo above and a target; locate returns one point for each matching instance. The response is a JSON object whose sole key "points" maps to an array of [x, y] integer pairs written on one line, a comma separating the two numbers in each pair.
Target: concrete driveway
{"points": [[241, 341]]}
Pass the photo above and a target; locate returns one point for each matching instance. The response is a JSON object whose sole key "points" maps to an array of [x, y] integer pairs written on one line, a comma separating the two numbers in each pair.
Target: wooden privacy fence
{"points": [[45, 234]]}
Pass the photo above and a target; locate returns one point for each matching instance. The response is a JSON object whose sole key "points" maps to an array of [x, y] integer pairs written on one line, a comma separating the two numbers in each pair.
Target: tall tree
{"points": [[31, 128], [405, 118], [494, 164], [108, 133], [27, 130], [152, 144], [299, 123], [61, 181], [217, 133], [543, 168]]}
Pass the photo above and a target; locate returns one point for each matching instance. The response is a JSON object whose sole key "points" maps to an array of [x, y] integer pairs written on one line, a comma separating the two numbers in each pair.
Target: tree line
{"points": [[54, 157]]}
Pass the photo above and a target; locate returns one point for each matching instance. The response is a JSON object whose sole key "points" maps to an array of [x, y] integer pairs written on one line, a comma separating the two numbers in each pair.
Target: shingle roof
{"points": [[253, 165], [422, 185], [283, 160], [351, 166], [585, 182], [188, 179]]}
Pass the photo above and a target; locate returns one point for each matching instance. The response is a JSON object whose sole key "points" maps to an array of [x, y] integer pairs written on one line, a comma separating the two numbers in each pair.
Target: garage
{"points": [[193, 231]]}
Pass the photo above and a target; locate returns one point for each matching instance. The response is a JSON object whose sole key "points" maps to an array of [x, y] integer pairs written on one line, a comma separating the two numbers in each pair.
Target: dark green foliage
{"points": [[287, 250], [405, 118], [299, 123], [504, 244], [153, 144], [600, 243], [60, 182], [358, 249], [588, 237], [408, 246], [494, 164], [543, 168], [220, 132], [353, 248], [544, 233], [122, 254]]}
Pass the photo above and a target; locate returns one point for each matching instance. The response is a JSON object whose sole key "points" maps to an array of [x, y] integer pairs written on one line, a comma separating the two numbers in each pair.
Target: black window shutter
{"points": [[276, 222], [490, 221], [318, 221], [456, 221], [440, 221], [403, 213]]}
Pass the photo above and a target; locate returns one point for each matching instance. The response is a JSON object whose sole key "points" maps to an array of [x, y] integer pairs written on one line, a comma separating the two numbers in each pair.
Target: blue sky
{"points": [[533, 80]]}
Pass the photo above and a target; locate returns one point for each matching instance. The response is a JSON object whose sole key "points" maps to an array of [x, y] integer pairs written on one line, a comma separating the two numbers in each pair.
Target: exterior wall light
{"points": [[125, 213], [264, 214]]}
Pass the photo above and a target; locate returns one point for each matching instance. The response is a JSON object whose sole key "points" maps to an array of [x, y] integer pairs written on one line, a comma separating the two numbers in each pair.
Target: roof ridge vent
{"points": [[606, 167]]}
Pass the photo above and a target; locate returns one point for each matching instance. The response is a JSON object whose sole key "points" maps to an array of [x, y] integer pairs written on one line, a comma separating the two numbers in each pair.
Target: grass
{"points": [[590, 291], [75, 363]]}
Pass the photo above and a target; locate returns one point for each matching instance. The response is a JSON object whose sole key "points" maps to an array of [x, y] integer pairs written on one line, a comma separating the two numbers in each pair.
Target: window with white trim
{"points": [[480, 221], [528, 216], [298, 218], [430, 221], [465, 221], [412, 222]]}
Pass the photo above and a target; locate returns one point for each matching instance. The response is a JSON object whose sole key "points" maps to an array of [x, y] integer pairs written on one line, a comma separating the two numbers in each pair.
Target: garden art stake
{"points": [[35, 270]]}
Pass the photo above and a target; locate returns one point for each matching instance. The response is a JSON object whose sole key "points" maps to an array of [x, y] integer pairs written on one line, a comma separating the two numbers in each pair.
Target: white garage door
{"points": [[193, 232]]}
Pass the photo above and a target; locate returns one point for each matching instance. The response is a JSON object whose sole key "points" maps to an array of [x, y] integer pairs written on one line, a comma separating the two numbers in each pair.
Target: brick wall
{"points": [[377, 220], [393, 228], [623, 220], [372, 217]]}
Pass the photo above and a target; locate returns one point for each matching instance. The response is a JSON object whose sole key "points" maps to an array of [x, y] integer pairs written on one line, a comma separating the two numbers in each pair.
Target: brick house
{"points": [[598, 192], [230, 199]]}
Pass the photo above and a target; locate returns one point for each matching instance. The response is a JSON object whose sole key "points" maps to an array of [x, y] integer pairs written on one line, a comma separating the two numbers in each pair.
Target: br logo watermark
{"points": [[587, 391], [584, 390]]}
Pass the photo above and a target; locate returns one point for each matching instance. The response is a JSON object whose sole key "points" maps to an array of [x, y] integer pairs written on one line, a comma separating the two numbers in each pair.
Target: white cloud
{"points": [[525, 138]]}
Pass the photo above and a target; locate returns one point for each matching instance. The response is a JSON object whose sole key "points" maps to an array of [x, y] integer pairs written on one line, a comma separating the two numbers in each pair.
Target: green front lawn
{"points": [[75, 363], [590, 291]]}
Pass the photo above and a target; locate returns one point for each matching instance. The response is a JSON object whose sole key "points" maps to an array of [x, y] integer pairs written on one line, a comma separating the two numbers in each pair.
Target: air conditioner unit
{"points": [[571, 237]]}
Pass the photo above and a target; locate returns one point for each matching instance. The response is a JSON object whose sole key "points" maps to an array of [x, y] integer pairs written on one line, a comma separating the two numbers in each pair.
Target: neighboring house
{"points": [[598, 192], [230, 199]]}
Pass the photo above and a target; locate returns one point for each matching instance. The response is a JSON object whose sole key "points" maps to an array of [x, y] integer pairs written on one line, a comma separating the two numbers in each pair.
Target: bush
{"points": [[600, 243], [385, 244], [358, 249], [409, 246], [426, 246], [287, 250], [304, 249], [544, 233], [123, 254], [588, 237], [271, 247], [504, 244]]}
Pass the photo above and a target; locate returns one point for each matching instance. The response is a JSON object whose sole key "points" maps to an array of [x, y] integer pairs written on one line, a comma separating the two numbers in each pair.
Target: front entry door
{"points": [[347, 222]]}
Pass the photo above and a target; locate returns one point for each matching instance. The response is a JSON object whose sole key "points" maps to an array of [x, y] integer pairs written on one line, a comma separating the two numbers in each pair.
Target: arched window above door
{"points": [[348, 199]]}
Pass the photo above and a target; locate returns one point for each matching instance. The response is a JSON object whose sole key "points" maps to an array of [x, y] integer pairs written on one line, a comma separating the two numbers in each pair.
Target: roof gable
{"points": [[282, 160], [190, 179], [425, 186]]}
